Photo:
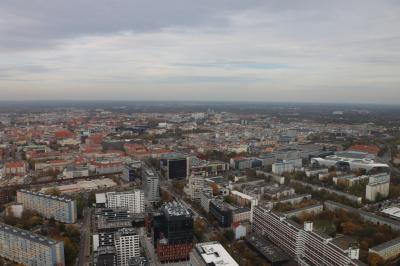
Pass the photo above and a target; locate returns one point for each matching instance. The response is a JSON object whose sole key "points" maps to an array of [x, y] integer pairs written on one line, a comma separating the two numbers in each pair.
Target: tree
{"points": [[229, 235], [53, 191], [215, 189], [199, 228], [71, 251], [165, 196], [229, 199]]}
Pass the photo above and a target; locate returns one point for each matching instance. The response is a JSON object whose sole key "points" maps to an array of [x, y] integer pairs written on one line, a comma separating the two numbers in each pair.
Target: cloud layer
{"points": [[324, 51]]}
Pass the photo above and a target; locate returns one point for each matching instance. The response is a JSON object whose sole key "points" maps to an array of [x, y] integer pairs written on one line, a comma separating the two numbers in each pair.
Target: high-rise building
{"points": [[60, 209], [151, 186], [26, 248], [194, 187], [175, 166], [127, 245], [211, 253], [173, 232], [132, 200], [305, 245]]}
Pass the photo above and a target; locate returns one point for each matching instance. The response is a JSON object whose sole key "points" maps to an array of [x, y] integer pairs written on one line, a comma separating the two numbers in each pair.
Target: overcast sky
{"points": [[309, 51]]}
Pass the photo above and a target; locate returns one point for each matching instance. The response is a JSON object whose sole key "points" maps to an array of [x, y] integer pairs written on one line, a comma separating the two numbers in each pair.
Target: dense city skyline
{"points": [[309, 51]]}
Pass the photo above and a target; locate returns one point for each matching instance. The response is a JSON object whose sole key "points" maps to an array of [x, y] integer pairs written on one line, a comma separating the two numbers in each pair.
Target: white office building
{"points": [[132, 200], [211, 253]]}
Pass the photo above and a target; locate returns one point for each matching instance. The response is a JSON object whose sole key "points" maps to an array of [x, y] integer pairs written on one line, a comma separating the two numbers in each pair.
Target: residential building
{"points": [[205, 199], [241, 215], [286, 166], [194, 187], [15, 168], [387, 250], [72, 171], [151, 186], [61, 209], [131, 172], [305, 245], [26, 248], [127, 245]]}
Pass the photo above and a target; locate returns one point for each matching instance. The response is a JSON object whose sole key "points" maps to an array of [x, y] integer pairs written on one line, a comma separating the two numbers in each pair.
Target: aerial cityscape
{"points": [[199, 133]]}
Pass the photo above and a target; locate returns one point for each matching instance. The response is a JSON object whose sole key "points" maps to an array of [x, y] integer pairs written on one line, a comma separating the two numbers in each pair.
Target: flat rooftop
{"points": [[39, 194], [213, 253], [27, 235]]}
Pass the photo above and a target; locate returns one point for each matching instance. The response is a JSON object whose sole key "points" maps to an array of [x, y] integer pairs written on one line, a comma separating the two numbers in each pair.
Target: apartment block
{"points": [[26, 248], [151, 185], [61, 209], [302, 243], [127, 245], [387, 250]]}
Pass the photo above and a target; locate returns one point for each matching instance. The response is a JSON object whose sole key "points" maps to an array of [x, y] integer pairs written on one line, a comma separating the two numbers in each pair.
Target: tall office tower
{"points": [[26, 248], [132, 200], [173, 232], [175, 166], [61, 209], [302, 243], [127, 245], [151, 186]]}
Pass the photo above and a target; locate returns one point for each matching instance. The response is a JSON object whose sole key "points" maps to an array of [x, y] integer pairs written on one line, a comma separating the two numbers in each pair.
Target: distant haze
{"points": [[221, 50]]}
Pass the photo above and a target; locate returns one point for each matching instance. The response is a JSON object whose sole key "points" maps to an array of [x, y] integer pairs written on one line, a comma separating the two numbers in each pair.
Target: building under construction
{"points": [[173, 232]]}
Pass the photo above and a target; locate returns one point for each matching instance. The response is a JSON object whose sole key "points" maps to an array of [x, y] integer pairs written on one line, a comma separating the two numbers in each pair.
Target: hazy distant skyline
{"points": [[231, 50]]}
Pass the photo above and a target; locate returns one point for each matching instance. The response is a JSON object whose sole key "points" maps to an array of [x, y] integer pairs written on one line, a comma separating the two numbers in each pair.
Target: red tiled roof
{"points": [[63, 134], [373, 149], [14, 164]]}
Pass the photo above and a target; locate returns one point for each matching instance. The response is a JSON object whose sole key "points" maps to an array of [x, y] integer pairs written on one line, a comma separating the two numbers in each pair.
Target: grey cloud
{"points": [[28, 24]]}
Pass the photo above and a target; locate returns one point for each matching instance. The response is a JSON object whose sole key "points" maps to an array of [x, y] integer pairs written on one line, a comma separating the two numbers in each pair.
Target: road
{"points": [[149, 248], [86, 233]]}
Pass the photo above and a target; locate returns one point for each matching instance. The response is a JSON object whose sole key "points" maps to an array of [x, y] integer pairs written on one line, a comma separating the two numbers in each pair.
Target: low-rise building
{"points": [[211, 253], [15, 168], [72, 171]]}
